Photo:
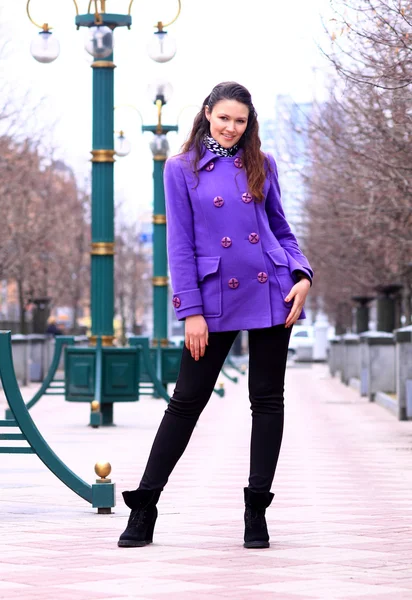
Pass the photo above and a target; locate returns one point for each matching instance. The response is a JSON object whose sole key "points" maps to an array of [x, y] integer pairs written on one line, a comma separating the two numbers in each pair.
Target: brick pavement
{"points": [[340, 523]]}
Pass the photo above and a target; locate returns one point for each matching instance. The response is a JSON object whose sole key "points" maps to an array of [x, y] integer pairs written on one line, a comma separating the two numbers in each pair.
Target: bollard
{"points": [[103, 491], [95, 414], [320, 338], [378, 363], [362, 312], [335, 355], [387, 304], [350, 358], [403, 338]]}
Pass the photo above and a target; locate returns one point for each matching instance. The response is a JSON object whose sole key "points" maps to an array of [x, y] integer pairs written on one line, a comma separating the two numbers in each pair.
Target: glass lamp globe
{"points": [[162, 47], [122, 146], [45, 48], [99, 41], [160, 90], [159, 145]]}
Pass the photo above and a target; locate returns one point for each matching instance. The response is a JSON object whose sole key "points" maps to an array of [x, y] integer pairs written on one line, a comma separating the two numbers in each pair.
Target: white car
{"points": [[301, 342]]}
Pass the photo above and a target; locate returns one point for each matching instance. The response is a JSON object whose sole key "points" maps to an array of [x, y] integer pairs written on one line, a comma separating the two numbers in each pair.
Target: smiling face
{"points": [[228, 121]]}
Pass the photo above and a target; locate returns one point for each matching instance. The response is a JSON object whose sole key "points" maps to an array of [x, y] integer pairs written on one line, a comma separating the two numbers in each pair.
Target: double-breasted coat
{"points": [[231, 259]]}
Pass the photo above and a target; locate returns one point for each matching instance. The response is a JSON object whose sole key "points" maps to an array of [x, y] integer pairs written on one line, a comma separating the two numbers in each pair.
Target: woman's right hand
{"points": [[196, 335]]}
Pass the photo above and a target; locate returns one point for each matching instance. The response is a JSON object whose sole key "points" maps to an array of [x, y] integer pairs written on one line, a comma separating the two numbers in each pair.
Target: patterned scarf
{"points": [[214, 146]]}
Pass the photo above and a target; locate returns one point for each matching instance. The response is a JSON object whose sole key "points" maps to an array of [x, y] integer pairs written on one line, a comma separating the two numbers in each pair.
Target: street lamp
{"points": [[99, 43], [159, 93], [45, 48], [162, 47], [122, 145]]}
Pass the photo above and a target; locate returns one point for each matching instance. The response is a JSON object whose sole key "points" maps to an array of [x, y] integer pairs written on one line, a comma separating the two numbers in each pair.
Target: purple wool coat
{"points": [[231, 259]]}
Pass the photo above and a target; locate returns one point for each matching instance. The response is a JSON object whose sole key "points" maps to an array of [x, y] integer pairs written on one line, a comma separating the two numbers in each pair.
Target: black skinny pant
{"points": [[267, 363]]}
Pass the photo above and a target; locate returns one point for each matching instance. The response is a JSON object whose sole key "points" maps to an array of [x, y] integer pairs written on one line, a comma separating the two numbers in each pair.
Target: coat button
{"points": [[233, 283], [176, 302], [210, 166], [226, 242], [218, 201], [262, 277], [253, 238], [246, 197], [238, 163]]}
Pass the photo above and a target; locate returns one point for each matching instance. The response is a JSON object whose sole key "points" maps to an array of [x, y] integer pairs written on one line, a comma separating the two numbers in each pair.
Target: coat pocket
{"points": [[282, 271], [210, 285]]}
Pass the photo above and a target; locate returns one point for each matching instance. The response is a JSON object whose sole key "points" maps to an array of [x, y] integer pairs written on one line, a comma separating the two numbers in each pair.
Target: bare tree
{"points": [[359, 211], [132, 277], [45, 232]]}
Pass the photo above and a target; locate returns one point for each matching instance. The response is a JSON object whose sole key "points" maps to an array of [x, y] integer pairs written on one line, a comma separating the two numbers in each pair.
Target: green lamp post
{"points": [[101, 374], [166, 360], [160, 149]]}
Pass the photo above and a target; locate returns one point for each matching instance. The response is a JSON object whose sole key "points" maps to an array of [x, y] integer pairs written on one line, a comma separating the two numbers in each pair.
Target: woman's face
{"points": [[228, 121]]}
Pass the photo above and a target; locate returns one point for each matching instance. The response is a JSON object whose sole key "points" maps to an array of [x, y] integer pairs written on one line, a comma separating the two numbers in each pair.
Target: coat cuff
{"points": [[294, 265], [187, 303], [299, 274]]}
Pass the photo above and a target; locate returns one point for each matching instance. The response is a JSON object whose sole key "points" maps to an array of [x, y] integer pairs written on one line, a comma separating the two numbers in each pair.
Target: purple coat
{"points": [[231, 259]]}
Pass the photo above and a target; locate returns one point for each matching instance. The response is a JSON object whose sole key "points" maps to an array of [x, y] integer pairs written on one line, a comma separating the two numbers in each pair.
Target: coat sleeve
{"points": [[187, 299], [281, 229]]}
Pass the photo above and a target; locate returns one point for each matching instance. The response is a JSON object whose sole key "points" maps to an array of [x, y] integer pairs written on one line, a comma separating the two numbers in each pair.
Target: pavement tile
{"points": [[340, 522]]}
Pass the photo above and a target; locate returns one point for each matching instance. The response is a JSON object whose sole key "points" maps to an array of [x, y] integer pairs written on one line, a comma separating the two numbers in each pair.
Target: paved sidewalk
{"points": [[340, 523]]}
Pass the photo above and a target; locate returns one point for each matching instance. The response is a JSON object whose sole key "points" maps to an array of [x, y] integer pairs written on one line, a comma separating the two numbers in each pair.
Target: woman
{"points": [[235, 265]]}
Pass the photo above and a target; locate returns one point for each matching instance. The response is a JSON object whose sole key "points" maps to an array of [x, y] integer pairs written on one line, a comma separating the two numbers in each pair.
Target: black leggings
{"points": [[267, 363]]}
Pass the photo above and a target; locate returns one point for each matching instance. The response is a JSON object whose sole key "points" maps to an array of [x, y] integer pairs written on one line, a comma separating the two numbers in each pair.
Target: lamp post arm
{"points": [[45, 26], [160, 25], [154, 128], [132, 108], [185, 107], [159, 105]]}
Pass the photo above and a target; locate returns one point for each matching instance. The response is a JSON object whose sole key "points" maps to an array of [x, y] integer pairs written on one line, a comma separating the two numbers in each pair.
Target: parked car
{"points": [[301, 342]]}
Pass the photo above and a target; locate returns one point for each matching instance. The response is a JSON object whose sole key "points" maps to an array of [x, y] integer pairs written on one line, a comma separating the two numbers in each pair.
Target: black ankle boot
{"points": [[139, 530], [256, 531]]}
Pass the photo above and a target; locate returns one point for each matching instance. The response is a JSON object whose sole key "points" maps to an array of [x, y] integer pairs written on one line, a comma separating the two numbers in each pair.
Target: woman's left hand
{"points": [[298, 294]]}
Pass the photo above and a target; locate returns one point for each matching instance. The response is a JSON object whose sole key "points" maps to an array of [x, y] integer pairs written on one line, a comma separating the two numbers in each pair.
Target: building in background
{"points": [[285, 136]]}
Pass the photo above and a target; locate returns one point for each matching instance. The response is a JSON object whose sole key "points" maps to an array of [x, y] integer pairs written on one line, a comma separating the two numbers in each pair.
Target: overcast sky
{"points": [[267, 45]]}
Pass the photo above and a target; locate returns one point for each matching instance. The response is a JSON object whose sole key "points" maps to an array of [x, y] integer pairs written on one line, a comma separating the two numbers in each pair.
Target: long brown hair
{"points": [[253, 158]]}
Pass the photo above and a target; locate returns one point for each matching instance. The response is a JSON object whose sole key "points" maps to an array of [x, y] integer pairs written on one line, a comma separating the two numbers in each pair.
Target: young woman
{"points": [[235, 265]]}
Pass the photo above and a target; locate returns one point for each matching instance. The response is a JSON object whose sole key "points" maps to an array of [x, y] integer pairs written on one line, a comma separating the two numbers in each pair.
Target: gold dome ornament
{"points": [[103, 469], [95, 407], [103, 490]]}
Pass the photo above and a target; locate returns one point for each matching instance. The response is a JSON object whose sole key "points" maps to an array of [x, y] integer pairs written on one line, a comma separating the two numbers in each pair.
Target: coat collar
{"points": [[209, 156]]}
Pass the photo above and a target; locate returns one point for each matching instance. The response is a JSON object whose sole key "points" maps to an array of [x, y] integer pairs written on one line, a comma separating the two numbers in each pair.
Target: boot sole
{"points": [[132, 544], [256, 545]]}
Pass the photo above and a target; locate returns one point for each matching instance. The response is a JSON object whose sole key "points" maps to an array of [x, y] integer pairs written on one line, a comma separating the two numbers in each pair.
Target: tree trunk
{"points": [[22, 307], [407, 305], [122, 310]]}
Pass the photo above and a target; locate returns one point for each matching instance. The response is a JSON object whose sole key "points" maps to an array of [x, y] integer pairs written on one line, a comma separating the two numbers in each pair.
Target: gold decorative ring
{"points": [[103, 156], [103, 64], [160, 281], [164, 342], [102, 249], [107, 340], [159, 219]]}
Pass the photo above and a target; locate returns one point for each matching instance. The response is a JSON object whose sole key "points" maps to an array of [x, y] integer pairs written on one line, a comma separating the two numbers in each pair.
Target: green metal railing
{"points": [[100, 495], [159, 367], [50, 386]]}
